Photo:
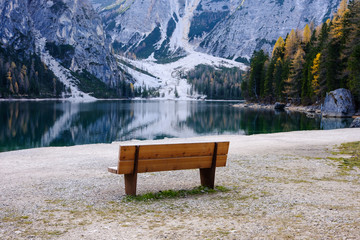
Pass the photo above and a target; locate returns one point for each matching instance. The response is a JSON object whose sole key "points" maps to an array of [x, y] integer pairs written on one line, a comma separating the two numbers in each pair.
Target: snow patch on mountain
{"points": [[171, 76], [180, 36], [63, 74]]}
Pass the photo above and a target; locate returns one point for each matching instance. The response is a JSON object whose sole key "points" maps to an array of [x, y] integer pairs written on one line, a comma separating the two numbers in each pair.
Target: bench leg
{"points": [[207, 177], [130, 184], [131, 179]]}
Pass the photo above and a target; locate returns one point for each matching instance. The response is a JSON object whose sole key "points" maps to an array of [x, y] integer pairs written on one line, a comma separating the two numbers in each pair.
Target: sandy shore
{"points": [[281, 186]]}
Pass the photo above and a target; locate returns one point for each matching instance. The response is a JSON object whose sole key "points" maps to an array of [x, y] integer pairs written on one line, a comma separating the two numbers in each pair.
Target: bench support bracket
{"points": [[207, 175], [131, 179]]}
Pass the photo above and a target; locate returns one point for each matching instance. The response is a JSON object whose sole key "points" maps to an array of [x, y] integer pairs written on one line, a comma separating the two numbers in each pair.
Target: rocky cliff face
{"points": [[76, 24], [16, 25], [225, 28], [69, 31], [258, 23]]}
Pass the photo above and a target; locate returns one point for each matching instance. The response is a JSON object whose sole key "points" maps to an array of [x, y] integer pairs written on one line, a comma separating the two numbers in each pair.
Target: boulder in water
{"points": [[355, 123], [338, 103]]}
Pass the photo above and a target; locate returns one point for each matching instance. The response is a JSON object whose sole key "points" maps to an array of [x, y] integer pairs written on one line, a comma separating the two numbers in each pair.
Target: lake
{"points": [[31, 124]]}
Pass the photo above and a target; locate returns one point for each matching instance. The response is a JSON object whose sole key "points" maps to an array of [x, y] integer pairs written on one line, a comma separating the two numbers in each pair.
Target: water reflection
{"points": [[37, 124]]}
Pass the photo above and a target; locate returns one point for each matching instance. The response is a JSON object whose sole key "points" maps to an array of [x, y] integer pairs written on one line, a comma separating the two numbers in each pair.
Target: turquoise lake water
{"points": [[31, 124]]}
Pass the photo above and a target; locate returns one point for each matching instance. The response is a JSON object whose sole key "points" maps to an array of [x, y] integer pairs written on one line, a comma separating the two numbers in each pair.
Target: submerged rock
{"points": [[355, 123], [339, 103], [334, 123], [279, 106]]}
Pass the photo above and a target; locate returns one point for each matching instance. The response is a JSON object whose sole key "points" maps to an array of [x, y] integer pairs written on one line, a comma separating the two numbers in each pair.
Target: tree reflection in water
{"points": [[29, 124]]}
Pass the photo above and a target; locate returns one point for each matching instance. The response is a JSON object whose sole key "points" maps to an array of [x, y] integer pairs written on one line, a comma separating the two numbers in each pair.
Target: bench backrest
{"points": [[166, 157]]}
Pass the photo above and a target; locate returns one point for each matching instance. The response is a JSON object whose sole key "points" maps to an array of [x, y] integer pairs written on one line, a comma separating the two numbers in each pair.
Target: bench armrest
{"points": [[112, 170]]}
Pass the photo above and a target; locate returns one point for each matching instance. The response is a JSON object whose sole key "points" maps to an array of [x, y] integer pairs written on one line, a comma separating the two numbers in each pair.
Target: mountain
{"points": [[224, 28], [69, 38], [127, 48]]}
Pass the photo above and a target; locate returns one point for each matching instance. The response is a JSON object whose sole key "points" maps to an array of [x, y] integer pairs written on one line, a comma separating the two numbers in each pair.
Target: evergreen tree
{"points": [[257, 74], [279, 79], [176, 93], [268, 85], [352, 48]]}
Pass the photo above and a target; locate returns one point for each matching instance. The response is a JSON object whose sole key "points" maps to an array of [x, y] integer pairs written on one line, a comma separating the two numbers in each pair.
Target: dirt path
{"points": [[280, 186]]}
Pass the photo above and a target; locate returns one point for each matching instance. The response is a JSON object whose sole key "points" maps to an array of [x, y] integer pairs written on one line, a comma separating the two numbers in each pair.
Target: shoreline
{"points": [[308, 109], [280, 184]]}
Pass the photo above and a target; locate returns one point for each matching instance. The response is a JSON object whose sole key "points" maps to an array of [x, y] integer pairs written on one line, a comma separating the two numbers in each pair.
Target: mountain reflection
{"points": [[27, 124]]}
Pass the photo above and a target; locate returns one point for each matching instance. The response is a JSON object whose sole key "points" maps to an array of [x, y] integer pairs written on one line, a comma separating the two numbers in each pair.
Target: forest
{"points": [[215, 83], [22, 76], [310, 62]]}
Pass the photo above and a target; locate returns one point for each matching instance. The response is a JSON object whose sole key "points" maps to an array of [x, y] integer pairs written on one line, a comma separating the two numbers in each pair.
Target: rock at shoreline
{"points": [[355, 123], [339, 103], [279, 106]]}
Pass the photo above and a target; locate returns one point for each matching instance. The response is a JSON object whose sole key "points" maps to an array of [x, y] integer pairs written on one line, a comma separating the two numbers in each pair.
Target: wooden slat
{"points": [[168, 164], [173, 150]]}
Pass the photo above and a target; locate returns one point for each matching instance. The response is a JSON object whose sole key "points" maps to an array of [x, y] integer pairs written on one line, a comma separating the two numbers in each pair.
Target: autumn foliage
{"points": [[310, 62]]}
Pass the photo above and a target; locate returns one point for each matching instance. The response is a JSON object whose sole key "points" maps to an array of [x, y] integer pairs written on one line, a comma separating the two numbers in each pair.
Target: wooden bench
{"points": [[167, 157]]}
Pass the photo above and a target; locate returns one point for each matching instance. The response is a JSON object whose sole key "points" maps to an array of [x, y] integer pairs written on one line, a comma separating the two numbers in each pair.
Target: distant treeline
{"points": [[310, 62], [24, 75], [215, 83]]}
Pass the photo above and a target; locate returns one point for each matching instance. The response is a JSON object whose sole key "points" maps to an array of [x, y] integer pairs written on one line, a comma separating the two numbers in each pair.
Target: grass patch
{"points": [[54, 201], [15, 218], [54, 233], [175, 194], [352, 149]]}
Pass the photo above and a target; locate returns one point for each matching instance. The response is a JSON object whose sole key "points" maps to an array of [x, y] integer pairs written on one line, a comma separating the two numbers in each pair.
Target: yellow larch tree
{"points": [[10, 83], [337, 29], [315, 71], [306, 34], [291, 45], [293, 83], [279, 45]]}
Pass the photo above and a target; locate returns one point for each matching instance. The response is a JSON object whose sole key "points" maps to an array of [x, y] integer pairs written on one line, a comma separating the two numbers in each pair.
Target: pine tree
{"points": [[354, 69], [278, 79], [257, 74], [323, 35], [268, 85], [333, 63], [351, 24], [352, 49], [176, 93]]}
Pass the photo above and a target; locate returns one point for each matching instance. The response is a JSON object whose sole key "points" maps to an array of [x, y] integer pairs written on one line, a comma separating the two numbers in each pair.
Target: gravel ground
{"points": [[281, 186]]}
